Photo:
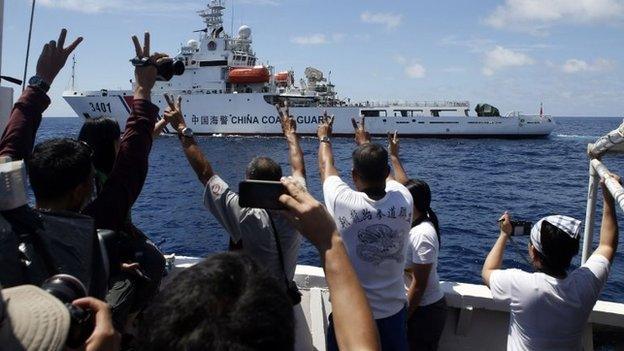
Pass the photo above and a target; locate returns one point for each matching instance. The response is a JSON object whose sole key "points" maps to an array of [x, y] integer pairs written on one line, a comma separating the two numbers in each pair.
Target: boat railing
{"points": [[374, 104], [611, 143]]}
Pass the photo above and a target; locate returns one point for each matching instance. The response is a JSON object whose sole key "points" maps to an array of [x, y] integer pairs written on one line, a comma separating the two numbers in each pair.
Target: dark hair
{"points": [[263, 168], [558, 249], [101, 134], [370, 162], [225, 302], [58, 166], [421, 193]]}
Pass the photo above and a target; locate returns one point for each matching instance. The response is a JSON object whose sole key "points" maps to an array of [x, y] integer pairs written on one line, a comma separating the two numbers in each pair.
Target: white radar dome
{"points": [[192, 43], [244, 32]]}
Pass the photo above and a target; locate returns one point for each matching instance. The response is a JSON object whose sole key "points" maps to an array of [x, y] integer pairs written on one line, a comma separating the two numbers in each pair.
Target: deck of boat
{"points": [[474, 321]]}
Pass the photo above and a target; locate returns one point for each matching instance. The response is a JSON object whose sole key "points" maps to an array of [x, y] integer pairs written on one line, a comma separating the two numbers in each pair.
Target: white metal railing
{"points": [[610, 143], [411, 103]]}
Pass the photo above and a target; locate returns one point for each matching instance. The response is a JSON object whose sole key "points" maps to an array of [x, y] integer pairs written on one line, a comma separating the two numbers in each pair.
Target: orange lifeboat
{"points": [[253, 75], [283, 78]]}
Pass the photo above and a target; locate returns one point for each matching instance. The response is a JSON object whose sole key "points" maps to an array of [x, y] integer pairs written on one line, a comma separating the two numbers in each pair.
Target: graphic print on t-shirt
{"points": [[378, 242]]}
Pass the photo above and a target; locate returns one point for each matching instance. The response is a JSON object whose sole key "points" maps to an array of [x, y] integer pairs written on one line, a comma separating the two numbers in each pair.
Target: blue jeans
{"points": [[392, 332]]}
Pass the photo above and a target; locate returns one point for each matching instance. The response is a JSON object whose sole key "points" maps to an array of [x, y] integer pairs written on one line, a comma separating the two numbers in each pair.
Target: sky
{"points": [[514, 54]]}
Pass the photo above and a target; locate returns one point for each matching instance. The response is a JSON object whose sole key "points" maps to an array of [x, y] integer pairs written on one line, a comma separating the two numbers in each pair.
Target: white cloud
{"points": [[97, 6], [599, 65], [338, 37], [312, 39], [454, 69], [145, 6], [473, 44], [501, 58], [535, 16], [318, 39], [411, 69], [400, 59], [390, 20], [415, 70]]}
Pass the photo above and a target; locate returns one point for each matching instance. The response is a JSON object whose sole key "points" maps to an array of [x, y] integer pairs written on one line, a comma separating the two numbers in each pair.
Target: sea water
{"points": [[472, 183]]}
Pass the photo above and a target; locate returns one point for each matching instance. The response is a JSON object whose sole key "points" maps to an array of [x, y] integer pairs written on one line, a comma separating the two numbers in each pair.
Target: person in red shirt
{"points": [[61, 170]]}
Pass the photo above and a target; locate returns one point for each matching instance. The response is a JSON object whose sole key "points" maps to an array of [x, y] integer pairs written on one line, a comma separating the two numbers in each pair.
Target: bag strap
{"points": [[29, 232], [280, 254]]}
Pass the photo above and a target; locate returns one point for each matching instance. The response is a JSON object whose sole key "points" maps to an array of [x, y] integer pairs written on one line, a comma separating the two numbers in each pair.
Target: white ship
{"points": [[226, 91]]}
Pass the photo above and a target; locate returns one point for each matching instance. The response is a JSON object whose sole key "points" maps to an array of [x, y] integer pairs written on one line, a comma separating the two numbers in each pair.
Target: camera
{"points": [[521, 228], [261, 194], [166, 68], [67, 288]]}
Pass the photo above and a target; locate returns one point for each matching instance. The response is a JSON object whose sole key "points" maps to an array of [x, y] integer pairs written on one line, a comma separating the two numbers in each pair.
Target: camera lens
{"points": [[178, 68], [168, 69], [65, 288]]}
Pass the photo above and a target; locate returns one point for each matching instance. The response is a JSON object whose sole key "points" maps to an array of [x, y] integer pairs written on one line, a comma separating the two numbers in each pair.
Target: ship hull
{"points": [[253, 115]]}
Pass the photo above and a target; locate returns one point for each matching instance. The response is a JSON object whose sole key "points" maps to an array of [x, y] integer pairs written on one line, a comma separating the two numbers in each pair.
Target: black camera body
{"points": [[521, 228], [67, 288], [166, 68]]}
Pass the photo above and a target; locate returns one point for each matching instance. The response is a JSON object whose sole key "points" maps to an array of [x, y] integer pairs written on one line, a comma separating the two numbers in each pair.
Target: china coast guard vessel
{"points": [[226, 91]]}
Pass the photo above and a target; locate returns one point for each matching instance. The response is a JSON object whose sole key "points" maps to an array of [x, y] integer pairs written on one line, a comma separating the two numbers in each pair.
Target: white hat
{"points": [[32, 319], [568, 225]]}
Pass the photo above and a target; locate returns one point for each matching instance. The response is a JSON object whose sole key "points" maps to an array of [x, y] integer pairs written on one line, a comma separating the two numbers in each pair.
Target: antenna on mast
{"points": [[232, 21], [32, 15], [73, 76]]}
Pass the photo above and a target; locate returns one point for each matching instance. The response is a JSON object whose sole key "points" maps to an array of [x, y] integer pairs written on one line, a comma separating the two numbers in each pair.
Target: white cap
{"points": [[568, 225], [32, 319]]}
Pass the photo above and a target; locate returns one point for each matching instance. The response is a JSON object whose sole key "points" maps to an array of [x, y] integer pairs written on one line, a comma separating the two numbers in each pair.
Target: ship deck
{"points": [[474, 320]]}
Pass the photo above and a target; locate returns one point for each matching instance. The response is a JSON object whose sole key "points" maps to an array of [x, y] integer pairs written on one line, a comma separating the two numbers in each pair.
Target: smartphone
{"points": [[261, 194], [521, 228]]}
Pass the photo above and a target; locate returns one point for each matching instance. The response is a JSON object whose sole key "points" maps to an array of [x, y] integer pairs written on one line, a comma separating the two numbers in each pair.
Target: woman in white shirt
{"points": [[426, 304]]}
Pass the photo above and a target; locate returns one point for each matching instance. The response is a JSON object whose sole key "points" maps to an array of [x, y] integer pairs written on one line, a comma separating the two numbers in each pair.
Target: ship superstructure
{"points": [[226, 90]]}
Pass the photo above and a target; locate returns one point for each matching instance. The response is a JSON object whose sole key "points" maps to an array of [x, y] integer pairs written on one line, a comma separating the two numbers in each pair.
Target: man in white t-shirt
{"points": [[374, 221], [550, 308]]}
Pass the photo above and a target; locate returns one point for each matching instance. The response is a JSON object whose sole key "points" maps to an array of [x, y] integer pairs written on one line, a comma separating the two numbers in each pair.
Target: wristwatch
{"points": [[37, 82], [186, 132], [325, 139]]}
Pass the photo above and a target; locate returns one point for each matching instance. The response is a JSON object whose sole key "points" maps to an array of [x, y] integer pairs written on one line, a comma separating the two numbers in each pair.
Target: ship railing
{"points": [[611, 143], [410, 104]]}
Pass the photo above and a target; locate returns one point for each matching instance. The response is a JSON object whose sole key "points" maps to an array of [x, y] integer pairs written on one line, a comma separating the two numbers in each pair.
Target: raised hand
{"points": [[173, 113], [54, 56], [145, 76], [325, 127], [393, 144], [505, 223], [307, 214], [361, 135], [605, 191], [289, 125]]}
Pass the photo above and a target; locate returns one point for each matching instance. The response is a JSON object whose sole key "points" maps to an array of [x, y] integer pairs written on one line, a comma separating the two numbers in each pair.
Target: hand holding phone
{"points": [[261, 194]]}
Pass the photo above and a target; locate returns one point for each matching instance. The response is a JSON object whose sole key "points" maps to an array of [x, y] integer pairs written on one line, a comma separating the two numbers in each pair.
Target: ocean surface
{"points": [[472, 182]]}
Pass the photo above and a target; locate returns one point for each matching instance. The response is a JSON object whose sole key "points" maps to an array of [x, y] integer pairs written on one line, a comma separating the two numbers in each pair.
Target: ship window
{"points": [[400, 113], [444, 112], [408, 113], [374, 113]]}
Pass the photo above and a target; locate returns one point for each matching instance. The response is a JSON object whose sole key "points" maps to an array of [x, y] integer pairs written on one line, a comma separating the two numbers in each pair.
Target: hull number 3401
{"points": [[104, 107]]}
